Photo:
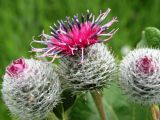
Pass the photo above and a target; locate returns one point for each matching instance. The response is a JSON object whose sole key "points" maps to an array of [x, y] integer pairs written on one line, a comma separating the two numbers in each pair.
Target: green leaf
{"points": [[117, 107], [68, 100], [84, 109], [122, 107], [152, 36]]}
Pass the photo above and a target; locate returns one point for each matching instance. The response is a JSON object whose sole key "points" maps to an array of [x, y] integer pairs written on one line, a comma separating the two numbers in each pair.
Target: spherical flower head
{"points": [[94, 73], [72, 36], [139, 75], [30, 89]]}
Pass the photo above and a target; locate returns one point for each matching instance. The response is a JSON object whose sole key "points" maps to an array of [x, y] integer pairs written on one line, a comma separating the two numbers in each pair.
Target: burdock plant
{"points": [[31, 88], [86, 64]]}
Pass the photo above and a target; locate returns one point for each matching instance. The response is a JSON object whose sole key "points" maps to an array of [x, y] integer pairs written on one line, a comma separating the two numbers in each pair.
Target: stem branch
{"points": [[98, 101]]}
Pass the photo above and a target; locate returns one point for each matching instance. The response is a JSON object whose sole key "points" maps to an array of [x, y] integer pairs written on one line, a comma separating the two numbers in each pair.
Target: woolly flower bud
{"points": [[94, 72], [30, 89], [140, 75]]}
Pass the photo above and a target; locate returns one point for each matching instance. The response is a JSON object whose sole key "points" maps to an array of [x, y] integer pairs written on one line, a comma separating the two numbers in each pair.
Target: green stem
{"points": [[64, 115], [52, 116], [98, 101]]}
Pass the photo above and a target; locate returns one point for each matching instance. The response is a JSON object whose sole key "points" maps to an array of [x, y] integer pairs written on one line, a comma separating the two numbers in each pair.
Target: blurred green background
{"points": [[22, 19]]}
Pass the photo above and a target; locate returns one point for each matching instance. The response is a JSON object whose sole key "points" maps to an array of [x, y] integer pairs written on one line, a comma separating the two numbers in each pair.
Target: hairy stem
{"points": [[98, 101], [155, 112]]}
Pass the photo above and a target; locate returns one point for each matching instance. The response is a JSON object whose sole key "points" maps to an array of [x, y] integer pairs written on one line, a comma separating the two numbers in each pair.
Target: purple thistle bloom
{"points": [[74, 35]]}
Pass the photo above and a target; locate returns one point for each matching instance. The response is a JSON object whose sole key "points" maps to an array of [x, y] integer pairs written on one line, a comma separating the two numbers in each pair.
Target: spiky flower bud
{"points": [[94, 72], [30, 89], [140, 75]]}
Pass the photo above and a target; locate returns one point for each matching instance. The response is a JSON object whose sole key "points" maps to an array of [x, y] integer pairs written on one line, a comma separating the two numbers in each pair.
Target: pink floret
{"points": [[16, 67], [76, 39], [146, 65]]}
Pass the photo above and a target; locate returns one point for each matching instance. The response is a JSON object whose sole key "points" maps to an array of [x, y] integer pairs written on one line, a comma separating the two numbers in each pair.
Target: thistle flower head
{"points": [[74, 35], [30, 89], [95, 72], [140, 75]]}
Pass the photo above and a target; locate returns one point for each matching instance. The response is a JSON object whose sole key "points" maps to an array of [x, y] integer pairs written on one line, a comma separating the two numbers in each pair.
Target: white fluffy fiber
{"points": [[139, 86], [34, 93], [96, 70]]}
